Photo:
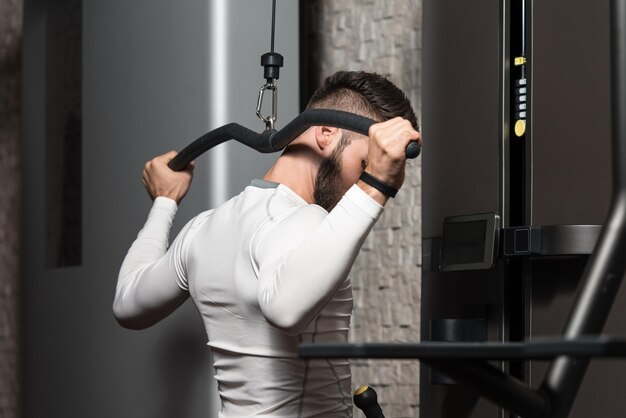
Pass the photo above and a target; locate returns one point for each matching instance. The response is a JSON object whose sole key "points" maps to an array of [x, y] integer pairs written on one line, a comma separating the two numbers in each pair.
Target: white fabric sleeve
{"points": [[303, 261], [152, 279]]}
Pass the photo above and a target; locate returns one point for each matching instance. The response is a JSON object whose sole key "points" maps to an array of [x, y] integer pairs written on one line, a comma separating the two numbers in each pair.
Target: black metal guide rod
{"points": [[541, 349]]}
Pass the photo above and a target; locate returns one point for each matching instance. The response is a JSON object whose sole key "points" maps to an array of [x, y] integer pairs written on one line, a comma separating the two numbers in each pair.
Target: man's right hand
{"points": [[387, 145], [160, 180]]}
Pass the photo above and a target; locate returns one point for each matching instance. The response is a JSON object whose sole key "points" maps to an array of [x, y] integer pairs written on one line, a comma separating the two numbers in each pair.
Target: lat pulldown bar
{"points": [[272, 140]]}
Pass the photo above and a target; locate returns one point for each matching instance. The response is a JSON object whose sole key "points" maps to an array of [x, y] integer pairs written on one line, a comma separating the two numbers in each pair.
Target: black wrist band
{"points": [[378, 185]]}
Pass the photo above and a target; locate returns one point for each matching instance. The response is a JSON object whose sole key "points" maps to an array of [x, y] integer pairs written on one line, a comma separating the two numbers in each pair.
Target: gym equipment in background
{"points": [[541, 178]]}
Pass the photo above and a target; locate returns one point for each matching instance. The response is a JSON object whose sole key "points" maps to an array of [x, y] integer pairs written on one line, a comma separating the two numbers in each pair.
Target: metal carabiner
{"points": [[269, 120]]}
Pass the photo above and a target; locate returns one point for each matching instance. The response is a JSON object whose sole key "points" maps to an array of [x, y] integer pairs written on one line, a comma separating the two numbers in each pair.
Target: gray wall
{"points": [[156, 75]]}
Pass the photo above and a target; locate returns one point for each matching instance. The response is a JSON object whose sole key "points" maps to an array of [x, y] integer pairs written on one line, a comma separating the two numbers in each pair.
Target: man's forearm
{"points": [[146, 289]]}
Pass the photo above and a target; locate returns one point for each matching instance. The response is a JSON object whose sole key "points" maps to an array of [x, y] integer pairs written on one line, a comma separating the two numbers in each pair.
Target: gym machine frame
{"points": [[569, 353]]}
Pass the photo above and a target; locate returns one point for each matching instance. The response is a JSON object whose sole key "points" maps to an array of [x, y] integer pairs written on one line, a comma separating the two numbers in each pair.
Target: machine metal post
{"points": [[606, 267]]}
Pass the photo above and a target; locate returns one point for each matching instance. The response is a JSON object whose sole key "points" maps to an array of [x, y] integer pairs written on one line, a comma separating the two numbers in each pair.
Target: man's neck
{"points": [[296, 168]]}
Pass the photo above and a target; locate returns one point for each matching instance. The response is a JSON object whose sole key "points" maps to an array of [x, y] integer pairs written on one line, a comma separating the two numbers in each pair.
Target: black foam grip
{"points": [[216, 137], [336, 118], [413, 150], [313, 117]]}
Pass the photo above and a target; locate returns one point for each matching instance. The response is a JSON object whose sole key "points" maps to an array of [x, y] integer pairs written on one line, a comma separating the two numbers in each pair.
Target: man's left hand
{"points": [[160, 180]]}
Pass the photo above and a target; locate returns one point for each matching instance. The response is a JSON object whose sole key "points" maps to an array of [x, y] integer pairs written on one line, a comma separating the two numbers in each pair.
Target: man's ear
{"points": [[325, 136]]}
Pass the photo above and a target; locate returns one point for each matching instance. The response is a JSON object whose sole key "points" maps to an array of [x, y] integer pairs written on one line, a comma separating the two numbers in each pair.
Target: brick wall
{"points": [[381, 36], [10, 65]]}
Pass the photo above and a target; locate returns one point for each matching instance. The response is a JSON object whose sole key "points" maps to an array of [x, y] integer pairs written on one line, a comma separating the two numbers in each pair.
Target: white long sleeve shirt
{"points": [[266, 271]]}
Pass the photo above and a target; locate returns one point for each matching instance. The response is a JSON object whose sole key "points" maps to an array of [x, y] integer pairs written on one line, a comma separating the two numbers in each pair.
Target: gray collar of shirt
{"points": [[264, 184]]}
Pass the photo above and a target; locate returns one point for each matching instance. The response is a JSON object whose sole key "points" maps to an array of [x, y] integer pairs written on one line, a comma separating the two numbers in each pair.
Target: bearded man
{"points": [[268, 269]]}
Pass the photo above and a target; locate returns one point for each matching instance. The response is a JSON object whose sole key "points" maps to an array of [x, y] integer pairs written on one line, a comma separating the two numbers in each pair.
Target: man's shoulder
{"points": [[198, 221], [298, 221], [285, 204]]}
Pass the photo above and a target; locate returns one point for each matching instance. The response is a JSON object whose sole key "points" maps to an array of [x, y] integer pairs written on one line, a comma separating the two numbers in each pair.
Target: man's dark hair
{"points": [[367, 94]]}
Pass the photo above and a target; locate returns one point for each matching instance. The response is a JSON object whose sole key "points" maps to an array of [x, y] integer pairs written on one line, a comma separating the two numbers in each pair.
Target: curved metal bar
{"points": [[313, 117], [216, 137], [273, 141]]}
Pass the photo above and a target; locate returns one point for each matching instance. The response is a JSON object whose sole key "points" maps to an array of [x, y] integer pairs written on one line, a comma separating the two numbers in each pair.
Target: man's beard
{"points": [[327, 190]]}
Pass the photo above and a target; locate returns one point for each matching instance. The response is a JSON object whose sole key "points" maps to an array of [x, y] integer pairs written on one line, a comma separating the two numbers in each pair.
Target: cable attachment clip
{"points": [[271, 63], [271, 119]]}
